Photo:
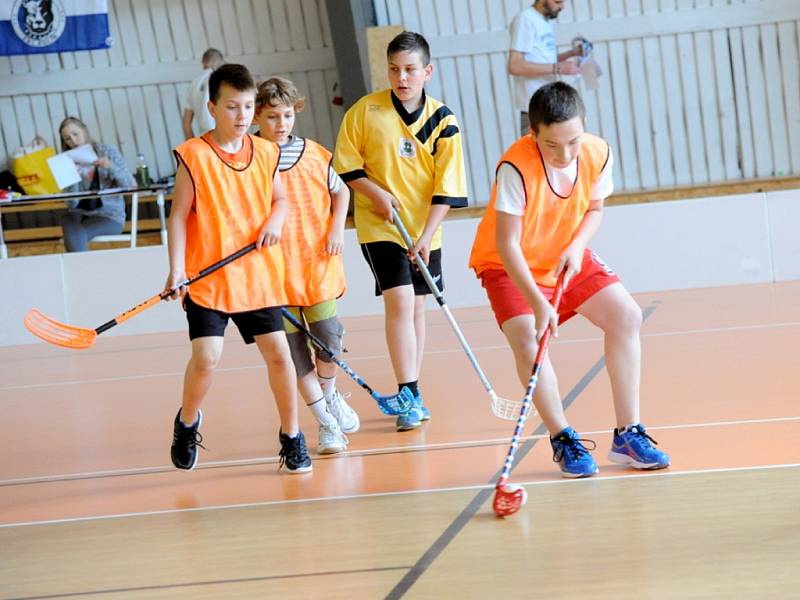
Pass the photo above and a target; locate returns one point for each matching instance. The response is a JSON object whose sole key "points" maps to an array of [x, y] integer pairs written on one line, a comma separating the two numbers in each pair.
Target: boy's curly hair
{"points": [[279, 91]]}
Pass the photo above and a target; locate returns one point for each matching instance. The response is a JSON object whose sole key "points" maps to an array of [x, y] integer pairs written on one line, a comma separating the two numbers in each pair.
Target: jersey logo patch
{"points": [[407, 148]]}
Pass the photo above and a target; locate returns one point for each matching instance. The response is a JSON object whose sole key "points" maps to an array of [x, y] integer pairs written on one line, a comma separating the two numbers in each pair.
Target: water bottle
{"points": [[142, 174]]}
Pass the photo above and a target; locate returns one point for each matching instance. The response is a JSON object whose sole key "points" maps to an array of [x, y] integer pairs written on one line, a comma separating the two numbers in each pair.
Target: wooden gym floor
{"points": [[90, 506]]}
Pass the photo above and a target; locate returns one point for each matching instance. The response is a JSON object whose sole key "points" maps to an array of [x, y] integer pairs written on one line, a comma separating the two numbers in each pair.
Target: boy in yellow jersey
{"points": [[312, 242], [401, 148], [546, 205], [227, 195]]}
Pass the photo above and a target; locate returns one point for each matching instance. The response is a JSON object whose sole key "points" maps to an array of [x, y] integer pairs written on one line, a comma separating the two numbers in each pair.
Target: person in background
{"points": [[91, 217], [533, 59], [196, 108]]}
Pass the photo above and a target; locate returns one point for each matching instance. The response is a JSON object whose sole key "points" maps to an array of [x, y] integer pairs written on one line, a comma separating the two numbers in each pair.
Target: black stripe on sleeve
{"points": [[353, 175], [433, 121], [447, 132], [452, 201]]}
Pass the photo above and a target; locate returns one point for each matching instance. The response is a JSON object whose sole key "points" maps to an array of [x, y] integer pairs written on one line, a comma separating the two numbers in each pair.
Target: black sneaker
{"points": [[294, 454], [185, 441]]}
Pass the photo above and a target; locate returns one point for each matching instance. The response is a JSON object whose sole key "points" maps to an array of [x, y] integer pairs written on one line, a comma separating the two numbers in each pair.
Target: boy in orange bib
{"points": [[546, 205], [227, 195], [312, 244]]}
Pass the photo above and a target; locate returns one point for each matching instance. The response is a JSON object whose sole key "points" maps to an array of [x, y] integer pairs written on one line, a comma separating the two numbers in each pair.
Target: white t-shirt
{"points": [[197, 102], [533, 36], [511, 191]]}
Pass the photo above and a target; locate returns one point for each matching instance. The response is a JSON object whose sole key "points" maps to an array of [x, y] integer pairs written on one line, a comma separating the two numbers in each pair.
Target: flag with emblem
{"points": [[40, 26]]}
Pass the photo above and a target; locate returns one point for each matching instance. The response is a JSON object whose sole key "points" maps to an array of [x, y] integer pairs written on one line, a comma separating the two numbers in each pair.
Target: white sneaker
{"points": [[343, 412], [331, 438]]}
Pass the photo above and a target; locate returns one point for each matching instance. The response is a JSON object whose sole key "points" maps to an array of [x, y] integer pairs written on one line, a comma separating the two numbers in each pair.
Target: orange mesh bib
{"points": [[232, 200], [312, 276], [549, 221]]}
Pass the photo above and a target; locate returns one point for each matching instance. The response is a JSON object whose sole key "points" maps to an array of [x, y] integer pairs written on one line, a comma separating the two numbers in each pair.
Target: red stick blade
{"points": [[508, 499]]}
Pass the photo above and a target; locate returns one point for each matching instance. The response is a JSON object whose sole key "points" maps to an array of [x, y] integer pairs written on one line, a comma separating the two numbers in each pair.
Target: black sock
{"points": [[412, 385]]}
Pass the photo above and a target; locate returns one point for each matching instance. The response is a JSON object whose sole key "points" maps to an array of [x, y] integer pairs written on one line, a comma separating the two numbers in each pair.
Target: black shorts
{"points": [[208, 322], [391, 267]]}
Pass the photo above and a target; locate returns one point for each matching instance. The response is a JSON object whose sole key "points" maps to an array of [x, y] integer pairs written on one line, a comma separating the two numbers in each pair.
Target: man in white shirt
{"points": [[196, 105], [533, 59]]}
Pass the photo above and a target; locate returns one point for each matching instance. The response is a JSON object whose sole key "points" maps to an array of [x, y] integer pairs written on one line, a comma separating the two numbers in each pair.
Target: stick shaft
{"points": [[319, 344], [529, 391], [426, 274], [132, 312]]}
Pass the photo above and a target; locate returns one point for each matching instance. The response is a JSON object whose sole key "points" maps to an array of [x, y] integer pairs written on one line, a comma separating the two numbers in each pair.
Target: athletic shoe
{"points": [[424, 413], [573, 457], [185, 441], [294, 454], [331, 439], [634, 448], [409, 420], [343, 412]]}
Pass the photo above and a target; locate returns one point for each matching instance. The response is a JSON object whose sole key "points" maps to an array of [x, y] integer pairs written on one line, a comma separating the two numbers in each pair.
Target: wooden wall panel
{"points": [[132, 95], [684, 95]]}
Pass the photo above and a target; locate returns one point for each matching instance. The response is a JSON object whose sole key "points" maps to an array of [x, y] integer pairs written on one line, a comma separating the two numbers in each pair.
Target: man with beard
{"points": [[533, 59]]}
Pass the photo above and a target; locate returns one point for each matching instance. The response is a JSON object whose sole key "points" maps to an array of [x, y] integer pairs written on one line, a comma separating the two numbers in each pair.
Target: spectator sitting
{"points": [[91, 217]]}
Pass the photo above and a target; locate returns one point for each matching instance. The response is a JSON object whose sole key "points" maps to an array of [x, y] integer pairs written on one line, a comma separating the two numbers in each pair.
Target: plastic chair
{"points": [[125, 237]]}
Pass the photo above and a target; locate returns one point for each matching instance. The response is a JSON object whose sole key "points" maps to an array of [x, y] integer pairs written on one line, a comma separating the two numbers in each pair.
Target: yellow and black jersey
{"points": [[417, 157]]}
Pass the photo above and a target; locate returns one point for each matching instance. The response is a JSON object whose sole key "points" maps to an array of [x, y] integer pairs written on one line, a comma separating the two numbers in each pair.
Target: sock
{"points": [[328, 385], [190, 424], [320, 411], [622, 430], [412, 385]]}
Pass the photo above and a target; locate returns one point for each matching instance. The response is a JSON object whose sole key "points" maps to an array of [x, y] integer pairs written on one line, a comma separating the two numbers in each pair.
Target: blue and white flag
{"points": [[39, 26]]}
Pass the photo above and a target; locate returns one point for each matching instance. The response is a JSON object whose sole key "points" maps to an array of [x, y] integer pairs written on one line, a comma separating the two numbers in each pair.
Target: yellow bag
{"points": [[29, 166]]}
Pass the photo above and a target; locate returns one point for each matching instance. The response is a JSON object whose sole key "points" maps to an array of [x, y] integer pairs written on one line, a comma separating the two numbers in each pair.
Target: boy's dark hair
{"points": [[555, 103], [236, 76], [408, 41]]}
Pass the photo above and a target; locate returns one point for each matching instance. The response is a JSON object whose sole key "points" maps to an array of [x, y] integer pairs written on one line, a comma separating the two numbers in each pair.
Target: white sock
{"points": [[328, 385], [319, 409]]}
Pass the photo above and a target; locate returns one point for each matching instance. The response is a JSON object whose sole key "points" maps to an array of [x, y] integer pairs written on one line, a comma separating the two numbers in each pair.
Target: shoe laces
{"points": [[641, 436], [337, 405], [188, 436], [293, 450], [331, 429], [573, 446]]}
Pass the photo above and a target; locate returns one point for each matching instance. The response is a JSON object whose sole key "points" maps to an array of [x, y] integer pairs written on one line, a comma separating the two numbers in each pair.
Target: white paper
{"points": [[63, 169], [83, 155]]}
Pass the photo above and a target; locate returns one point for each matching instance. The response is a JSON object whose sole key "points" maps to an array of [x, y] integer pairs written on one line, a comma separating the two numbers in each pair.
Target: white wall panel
{"points": [[660, 246]]}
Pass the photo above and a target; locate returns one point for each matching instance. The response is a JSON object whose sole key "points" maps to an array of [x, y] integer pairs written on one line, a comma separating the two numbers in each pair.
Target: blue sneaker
{"points": [[414, 417], [573, 457], [425, 414], [634, 448], [409, 420]]}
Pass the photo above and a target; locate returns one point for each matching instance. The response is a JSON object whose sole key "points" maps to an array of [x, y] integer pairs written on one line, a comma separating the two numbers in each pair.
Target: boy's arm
{"points": [[182, 200], [270, 233], [341, 202], [508, 231], [348, 161], [436, 215], [382, 201], [572, 257]]}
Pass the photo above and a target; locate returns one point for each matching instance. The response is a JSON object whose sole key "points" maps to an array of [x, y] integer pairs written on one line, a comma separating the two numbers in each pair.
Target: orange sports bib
{"points": [[549, 221], [312, 276], [232, 200]]}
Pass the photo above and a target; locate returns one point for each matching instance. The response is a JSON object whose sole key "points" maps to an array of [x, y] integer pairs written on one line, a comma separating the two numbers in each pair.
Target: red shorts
{"points": [[507, 301]]}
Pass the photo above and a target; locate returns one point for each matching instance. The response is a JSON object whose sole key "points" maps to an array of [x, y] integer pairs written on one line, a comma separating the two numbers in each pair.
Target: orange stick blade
{"points": [[57, 333]]}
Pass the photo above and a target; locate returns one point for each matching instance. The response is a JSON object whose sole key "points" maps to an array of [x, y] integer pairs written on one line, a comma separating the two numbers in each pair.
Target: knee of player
{"points": [[628, 319], [205, 359]]}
